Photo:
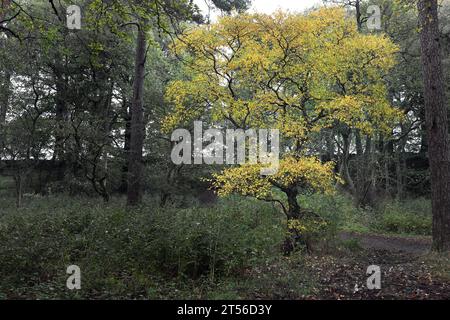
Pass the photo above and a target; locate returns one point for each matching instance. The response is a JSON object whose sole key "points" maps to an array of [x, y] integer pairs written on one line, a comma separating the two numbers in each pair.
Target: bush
{"points": [[409, 217], [122, 252], [339, 210], [412, 216]]}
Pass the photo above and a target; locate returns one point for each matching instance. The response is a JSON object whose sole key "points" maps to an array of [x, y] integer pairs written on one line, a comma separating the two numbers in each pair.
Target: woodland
{"points": [[93, 93]]}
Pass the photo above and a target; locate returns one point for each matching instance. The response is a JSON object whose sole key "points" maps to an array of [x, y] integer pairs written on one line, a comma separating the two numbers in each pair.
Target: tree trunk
{"points": [[293, 206], [344, 171], [330, 146], [61, 118], [359, 21], [135, 163], [388, 150], [18, 179], [106, 89], [293, 213], [387, 185], [367, 184], [5, 84], [423, 134], [436, 122], [126, 147]]}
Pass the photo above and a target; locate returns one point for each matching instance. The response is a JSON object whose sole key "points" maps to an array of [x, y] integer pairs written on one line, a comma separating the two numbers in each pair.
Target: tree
{"points": [[165, 17], [299, 74], [5, 75], [362, 183], [134, 193], [27, 136], [436, 121], [147, 17], [229, 5]]}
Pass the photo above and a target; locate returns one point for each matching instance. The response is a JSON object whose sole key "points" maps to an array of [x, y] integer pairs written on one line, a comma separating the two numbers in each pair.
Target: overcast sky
{"points": [[268, 6]]}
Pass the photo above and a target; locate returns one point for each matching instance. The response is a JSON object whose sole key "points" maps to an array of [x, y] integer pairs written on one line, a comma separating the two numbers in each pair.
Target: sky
{"points": [[269, 6]]}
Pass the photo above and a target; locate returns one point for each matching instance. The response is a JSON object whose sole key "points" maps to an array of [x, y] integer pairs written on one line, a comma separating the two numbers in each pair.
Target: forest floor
{"points": [[40, 238], [408, 270]]}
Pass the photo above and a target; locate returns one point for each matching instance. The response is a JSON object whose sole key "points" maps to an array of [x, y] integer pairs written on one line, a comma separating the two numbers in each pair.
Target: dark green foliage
{"points": [[229, 5], [412, 216], [124, 253], [409, 217]]}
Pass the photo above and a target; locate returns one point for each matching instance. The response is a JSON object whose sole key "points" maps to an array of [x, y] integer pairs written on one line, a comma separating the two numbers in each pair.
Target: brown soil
{"points": [[406, 272], [413, 245]]}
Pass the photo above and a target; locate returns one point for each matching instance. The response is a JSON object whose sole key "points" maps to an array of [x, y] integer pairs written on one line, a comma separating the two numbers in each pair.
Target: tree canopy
{"points": [[296, 73]]}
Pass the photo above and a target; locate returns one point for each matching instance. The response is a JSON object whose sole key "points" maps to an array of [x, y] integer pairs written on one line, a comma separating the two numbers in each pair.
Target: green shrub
{"points": [[412, 216], [122, 252], [409, 217], [339, 210]]}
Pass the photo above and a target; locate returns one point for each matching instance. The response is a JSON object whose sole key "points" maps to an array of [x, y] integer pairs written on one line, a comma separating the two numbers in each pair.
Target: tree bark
{"points": [[293, 206], [367, 187], [5, 84], [436, 122], [126, 147], [344, 171], [18, 179], [61, 118], [135, 163], [358, 15], [386, 163], [4, 96]]}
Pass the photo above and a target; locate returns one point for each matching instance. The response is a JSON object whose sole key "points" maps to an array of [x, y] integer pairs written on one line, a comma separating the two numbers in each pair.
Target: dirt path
{"points": [[405, 271], [413, 245]]}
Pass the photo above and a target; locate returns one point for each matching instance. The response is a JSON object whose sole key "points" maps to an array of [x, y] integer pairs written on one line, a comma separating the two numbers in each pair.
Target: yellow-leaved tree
{"points": [[299, 73]]}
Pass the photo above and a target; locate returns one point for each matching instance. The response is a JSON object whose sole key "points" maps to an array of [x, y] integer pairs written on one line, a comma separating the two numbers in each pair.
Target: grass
{"points": [[145, 253], [340, 210], [229, 251], [410, 217]]}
